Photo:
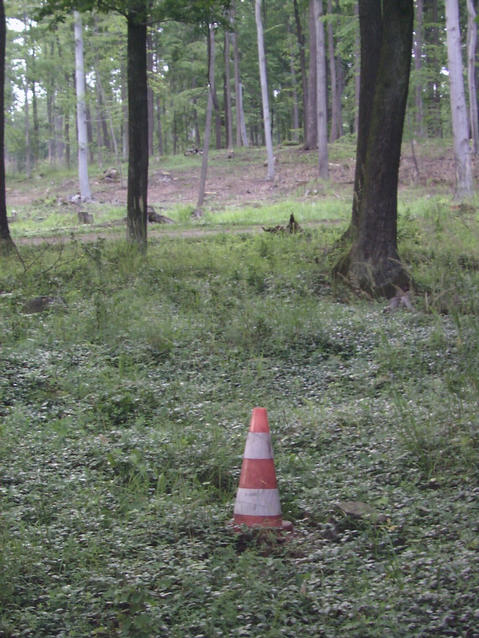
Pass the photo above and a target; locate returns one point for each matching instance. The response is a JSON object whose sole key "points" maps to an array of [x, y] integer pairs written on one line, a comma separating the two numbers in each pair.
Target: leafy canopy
{"points": [[191, 11]]}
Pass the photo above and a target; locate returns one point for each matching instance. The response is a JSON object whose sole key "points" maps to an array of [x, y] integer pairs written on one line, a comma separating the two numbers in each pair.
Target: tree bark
{"points": [[6, 243], [335, 131], [460, 127], [150, 95], [418, 52], [321, 92], [294, 87], [137, 197], [433, 46], [241, 136], [471, 74], [227, 93], [264, 91], [302, 63], [311, 130], [372, 262], [357, 72], [85, 193], [209, 114]]}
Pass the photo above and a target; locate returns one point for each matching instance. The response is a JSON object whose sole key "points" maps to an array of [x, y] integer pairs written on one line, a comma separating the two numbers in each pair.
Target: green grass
{"points": [[124, 415]]}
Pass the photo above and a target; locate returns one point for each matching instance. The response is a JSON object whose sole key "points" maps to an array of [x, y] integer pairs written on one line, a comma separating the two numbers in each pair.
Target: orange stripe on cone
{"points": [[257, 500]]}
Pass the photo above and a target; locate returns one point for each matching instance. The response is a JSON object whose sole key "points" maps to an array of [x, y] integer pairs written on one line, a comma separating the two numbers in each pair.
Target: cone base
{"points": [[284, 526]]}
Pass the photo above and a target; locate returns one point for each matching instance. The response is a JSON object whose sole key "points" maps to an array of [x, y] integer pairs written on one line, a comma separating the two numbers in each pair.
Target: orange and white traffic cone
{"points": [[257, 500]]}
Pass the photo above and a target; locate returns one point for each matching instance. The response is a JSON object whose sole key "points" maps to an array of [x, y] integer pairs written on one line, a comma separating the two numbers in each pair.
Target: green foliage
{"points": [[124, 414]]}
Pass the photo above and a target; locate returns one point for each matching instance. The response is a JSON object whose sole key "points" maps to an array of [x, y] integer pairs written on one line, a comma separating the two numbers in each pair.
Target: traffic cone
{"points": [[257, 500]]}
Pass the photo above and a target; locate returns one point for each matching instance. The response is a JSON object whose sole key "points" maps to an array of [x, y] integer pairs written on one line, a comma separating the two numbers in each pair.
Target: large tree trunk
{"points": [[264, 90], [6, 243], [85, 193], [372, 263], [460, 127], [137, 197]]}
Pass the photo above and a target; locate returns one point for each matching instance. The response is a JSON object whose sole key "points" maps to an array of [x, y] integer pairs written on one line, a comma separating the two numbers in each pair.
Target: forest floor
{"points": [[233, 182], [127, 383]]}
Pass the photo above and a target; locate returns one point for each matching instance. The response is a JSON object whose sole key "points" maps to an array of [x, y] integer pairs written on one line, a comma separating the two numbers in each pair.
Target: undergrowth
{"points": [[125, 409]]}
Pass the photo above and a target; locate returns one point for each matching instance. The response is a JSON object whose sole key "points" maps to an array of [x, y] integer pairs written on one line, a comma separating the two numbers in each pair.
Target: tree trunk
{"points": [[241, 136], [264, 90], [294, 87], [471, 74], [227, 93], [373, 263], [418, 52], [302, 63], [149, 60], [434, 61], [28, 150], [209, 114], [36, 123], [311, 131], [66, 137], [357, 73], [159, 126], [335, 131], [85, 193], [28, 147], [50, 89], [6, 243], [137, 197], [460, 127], [124, 109], [321, 92]]}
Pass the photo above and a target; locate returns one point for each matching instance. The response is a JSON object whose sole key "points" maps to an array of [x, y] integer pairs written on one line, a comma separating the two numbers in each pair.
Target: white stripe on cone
{"points": [[257, 502], [258, 446]]}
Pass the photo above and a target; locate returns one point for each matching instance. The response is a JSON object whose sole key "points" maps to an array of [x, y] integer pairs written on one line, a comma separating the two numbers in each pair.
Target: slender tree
{"points": [[460, 125], [264, 90], [321, 91], [418, 65], [302, 62], [311, 120], [335, 131], [6, 242], [471, 73], [209, 112], [372, 262], [85, 192], [227, 91]]}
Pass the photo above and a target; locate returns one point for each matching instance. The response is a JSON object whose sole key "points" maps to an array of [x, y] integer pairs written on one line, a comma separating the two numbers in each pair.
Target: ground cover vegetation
{"points": [[124, 412]]}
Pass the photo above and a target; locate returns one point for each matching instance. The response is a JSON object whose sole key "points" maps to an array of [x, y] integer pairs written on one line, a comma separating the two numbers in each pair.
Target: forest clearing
{"points": [[237, 193]]}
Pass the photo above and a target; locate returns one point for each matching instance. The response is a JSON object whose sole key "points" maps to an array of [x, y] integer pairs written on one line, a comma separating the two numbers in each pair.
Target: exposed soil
{"points": [[236, 182]]}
